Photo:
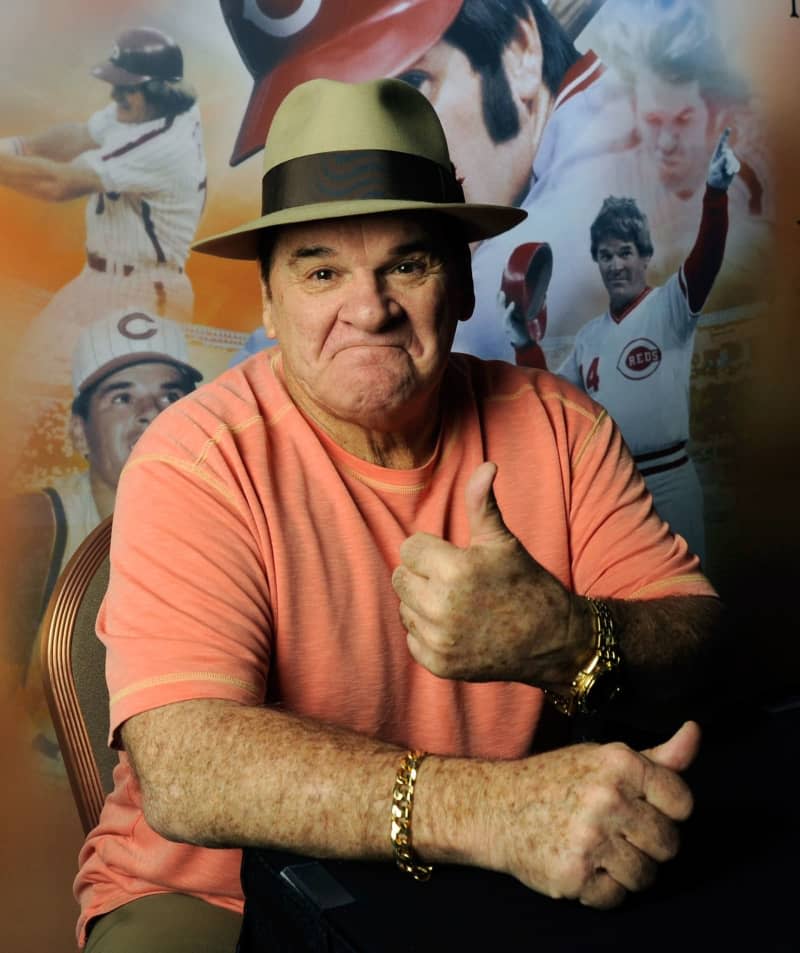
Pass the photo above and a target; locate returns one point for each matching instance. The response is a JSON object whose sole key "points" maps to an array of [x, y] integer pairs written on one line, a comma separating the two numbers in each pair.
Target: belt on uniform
{"points": [[657, 461], [98, 263]]}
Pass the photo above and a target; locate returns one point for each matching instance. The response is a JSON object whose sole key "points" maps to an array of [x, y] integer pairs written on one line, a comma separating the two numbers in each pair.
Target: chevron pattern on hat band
{"points": [[357, 174]]}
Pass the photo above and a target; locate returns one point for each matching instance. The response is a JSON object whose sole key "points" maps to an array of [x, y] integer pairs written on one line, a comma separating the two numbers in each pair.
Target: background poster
{"points": [[743, 383]]}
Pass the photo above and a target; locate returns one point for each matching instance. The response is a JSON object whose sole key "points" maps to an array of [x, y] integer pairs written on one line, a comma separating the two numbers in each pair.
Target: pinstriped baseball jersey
{"points": [[638, 368], [154, 188]]}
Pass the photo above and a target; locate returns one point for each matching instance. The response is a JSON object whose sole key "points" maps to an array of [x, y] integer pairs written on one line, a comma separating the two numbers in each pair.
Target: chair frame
{"points": [[57, 634]]}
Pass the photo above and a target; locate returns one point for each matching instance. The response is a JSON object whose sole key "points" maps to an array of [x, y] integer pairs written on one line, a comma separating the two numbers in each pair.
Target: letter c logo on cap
{"points": [[125, 329], [285, 24]]}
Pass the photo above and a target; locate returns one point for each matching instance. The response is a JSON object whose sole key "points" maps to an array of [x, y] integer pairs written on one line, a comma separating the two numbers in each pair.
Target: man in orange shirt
{"points": [[365, 563]]}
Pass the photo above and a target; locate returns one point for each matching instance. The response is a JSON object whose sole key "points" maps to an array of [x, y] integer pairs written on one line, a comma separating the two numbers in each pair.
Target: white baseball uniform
{"points": [[138, 232], [590, 126], [638, 366]]}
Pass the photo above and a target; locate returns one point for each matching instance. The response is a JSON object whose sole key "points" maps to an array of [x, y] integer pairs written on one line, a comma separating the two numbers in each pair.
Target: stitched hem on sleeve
{"points": [[155, 680]]}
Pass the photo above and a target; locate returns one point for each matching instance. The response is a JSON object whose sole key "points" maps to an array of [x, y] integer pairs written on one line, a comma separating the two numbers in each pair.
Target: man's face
{"points": [[365, 310], [490, 172], [623, 270], [120, 409], [676, 129], [131, 104]]}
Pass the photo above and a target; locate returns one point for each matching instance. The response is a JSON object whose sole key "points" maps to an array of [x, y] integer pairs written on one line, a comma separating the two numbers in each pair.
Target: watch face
{"points": [[602, 692]]}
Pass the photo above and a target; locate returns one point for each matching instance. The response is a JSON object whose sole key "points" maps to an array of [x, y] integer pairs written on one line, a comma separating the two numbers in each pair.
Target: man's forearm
{"points": [[216, 774], [667, 644], [60, 143], [219, 774], [46, 179]]}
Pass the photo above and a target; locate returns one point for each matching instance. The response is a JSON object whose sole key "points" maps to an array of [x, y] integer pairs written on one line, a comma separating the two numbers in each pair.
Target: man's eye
{"points": [[415, 77], [121, 399], [410, 267], [322, 274], [170, 397]]}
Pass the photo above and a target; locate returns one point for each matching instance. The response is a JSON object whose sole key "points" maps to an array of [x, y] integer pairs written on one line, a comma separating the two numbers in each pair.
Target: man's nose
{"points": [[667, 140], [147, 409], [368, 305]]}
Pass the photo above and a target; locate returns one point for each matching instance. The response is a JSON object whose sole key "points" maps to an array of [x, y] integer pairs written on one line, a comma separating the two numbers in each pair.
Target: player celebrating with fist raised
{"points": [[635, 359], [141, 162]]}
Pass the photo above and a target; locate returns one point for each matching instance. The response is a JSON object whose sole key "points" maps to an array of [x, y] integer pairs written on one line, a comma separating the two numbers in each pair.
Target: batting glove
{"points": [[724, 165], [515, 326]]}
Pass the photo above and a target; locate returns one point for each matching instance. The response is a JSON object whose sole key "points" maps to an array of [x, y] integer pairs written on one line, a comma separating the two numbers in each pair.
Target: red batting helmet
{"points": [[525, 279], [140, 55], [286, 42]]}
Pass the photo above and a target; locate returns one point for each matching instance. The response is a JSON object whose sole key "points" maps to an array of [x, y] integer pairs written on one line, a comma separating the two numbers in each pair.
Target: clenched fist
{"points": [[589, 822]]}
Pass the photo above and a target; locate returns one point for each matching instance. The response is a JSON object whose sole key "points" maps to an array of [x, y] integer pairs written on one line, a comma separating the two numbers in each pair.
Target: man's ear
{"points": [[266, 309], [523, 61], [77, 432]]}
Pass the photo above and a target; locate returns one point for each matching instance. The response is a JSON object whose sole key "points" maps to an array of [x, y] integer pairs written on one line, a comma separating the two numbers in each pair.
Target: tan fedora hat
{"points": [[340, 149]]}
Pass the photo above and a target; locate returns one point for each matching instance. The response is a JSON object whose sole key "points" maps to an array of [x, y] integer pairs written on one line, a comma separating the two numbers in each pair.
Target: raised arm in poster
{"points": [[141, 162], [635, 358]]}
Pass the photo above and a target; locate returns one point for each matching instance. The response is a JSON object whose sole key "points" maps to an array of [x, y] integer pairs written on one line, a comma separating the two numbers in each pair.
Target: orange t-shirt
{"points": [[247, 544]]}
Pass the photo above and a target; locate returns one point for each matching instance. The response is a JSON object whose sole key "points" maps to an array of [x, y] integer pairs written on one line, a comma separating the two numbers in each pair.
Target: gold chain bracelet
{"points": [[402, 807]]}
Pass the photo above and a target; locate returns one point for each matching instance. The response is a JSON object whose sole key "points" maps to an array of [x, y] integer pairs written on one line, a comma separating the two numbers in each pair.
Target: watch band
{"points": [[605, 661]]}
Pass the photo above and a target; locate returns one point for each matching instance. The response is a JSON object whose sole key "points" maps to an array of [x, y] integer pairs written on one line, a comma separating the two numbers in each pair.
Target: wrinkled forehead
{"points": [[608, 247], [378, 233]]}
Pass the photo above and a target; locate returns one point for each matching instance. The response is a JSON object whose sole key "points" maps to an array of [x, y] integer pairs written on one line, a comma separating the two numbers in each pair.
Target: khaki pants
{"points": [[165, 923]]}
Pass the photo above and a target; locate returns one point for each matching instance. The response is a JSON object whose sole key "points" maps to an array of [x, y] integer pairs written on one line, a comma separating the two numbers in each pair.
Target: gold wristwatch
{"points": [[598, 681]]}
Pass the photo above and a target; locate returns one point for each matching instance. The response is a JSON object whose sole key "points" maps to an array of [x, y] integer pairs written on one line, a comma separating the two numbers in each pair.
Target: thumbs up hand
{"points": [[489, 611]]}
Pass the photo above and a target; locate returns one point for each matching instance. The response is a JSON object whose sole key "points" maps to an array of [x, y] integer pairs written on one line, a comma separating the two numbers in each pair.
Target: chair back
{"points": [[73, 668]]}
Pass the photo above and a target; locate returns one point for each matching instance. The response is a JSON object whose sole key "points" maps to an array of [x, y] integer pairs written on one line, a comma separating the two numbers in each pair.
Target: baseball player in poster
{"points": [[635, 358], [141, 163], [686, 88], [126, 369], [531, 120]]}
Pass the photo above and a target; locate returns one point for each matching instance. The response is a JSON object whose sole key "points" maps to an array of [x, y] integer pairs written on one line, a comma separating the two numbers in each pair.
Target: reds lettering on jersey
{"points": [[154, 188], [639, 368]]}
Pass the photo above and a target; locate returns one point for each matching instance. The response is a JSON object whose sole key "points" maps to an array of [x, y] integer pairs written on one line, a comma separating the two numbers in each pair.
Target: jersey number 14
{"points": [[592, 375]]}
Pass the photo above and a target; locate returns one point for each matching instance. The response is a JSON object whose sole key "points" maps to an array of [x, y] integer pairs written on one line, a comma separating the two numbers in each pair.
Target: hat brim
{"points": [[383, 44], [477, 221], [116, 76], [130, 360]]}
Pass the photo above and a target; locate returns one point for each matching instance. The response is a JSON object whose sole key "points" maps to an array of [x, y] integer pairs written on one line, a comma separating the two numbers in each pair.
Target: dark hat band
{"points": [[357, 174]]}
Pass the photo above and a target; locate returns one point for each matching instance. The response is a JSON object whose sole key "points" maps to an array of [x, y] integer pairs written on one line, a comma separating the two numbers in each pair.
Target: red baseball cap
{"points": [[286, 42]]}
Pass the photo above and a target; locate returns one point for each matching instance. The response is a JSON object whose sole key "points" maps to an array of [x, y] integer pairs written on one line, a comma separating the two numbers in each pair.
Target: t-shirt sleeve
{"points": [[620, 547], [187, 613]]}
